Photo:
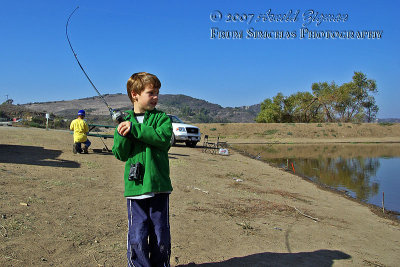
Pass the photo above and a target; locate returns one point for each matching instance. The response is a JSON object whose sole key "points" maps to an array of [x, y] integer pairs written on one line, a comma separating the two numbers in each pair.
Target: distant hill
{"points": [[187, 108], [389, 120], [30, 117], [10, 111]]}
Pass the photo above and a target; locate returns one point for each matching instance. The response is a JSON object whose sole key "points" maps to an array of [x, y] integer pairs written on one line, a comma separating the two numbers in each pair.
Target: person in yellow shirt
{"points": [[80, 128]]}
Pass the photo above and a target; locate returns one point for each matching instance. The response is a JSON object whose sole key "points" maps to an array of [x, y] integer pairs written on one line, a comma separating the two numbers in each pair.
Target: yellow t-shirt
{"points": [[80, 129]]}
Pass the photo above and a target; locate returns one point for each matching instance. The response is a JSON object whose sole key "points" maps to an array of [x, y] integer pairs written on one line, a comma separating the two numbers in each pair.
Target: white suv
{"points": [[4, 121], [183, 132]]}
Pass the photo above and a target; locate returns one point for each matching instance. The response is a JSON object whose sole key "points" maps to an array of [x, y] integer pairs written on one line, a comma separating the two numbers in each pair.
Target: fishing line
{"points": [[116, 115]]}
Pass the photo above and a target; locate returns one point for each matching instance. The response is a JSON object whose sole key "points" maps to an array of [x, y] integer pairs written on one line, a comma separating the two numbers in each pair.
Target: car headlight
{"points": [[181, 129]]}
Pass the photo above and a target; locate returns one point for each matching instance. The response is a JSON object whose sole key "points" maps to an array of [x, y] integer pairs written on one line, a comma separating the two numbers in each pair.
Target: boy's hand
{"points": [[124, 128]]}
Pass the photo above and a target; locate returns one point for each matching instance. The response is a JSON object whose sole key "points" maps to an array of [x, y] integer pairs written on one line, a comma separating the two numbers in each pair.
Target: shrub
{"points": [[34, 124]]}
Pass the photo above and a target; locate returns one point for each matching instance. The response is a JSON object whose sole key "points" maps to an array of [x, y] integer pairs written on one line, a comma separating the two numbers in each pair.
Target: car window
{"points": [[175, 119]]}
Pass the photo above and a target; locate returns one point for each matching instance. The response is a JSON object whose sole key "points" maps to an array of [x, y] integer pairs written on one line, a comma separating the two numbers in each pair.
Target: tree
{"points": [[296, 107], [271, 110], [324, 93], [371, 109], [352, 101], [8, 102]]}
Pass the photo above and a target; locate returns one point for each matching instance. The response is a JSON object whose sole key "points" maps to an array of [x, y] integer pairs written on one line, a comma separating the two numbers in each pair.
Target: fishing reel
{"points": [[117, 116]]}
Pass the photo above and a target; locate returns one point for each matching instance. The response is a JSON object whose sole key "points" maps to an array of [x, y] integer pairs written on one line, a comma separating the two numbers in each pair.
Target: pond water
{"points": [[363, 171]]}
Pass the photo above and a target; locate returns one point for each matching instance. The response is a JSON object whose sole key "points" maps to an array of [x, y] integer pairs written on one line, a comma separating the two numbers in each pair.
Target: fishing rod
{"points": [[116, 115]]}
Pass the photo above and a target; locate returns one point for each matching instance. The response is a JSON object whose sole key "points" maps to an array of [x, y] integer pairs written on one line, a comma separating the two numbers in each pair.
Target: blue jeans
{"points": [[149, 238], [87, 143]]}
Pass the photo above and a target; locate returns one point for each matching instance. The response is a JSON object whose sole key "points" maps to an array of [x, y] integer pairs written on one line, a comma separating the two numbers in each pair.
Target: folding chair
{"points": [[223, 144], [209, 146]]}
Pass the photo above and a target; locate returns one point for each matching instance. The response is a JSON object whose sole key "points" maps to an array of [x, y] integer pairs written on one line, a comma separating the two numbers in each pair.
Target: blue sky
{"points": [[172, 39]]}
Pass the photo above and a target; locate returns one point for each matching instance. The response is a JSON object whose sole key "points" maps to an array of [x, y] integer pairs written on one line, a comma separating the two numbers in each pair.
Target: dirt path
{"points": [[225, 211]]}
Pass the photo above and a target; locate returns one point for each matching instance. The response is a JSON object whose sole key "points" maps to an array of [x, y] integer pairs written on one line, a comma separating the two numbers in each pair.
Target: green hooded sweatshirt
{"points": [[147, 143]]}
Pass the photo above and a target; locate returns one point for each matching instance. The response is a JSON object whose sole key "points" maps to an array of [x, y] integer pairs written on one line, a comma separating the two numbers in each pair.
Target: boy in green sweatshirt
{"points": [[143, 141]]}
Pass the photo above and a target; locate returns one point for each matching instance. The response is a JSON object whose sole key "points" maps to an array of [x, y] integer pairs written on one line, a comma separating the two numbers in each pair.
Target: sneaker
{"points": [[85, 150]]}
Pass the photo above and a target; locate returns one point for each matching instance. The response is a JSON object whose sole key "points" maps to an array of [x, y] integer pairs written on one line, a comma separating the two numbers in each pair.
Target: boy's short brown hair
{"points": [[138, 81]]}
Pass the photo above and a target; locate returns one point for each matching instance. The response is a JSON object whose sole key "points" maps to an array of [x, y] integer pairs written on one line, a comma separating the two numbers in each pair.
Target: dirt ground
{"points": [[61, 209]]}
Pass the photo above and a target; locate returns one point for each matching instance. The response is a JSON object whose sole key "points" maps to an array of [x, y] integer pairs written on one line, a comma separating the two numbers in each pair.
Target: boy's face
{"points": [[146, 100]]}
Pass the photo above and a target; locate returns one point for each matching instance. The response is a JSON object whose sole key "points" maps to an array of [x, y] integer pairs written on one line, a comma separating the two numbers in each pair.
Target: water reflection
{"points": [[353, 174], [352, 167]]}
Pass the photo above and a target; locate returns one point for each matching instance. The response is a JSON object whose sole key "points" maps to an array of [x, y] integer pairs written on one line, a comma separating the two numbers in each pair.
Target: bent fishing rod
{"points": [[116, 115]]}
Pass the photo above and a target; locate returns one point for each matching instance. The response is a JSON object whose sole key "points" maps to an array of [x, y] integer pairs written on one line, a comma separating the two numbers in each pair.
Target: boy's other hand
{"points": [[124, 128]]}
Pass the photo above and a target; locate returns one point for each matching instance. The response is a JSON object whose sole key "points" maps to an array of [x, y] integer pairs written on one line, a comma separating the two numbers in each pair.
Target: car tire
{"points": [[173, 140], [191, 144]]}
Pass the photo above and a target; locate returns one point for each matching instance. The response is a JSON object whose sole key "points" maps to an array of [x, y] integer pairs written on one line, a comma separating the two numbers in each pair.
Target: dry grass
{"points": [[271, 131]]}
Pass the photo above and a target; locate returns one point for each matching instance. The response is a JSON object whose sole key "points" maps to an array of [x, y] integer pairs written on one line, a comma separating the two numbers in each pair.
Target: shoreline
{"points": [[389, 214]]}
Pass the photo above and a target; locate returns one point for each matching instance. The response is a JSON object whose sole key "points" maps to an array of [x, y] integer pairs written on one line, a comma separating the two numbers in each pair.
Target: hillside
{"points": [[188, 108], [10, 111]]}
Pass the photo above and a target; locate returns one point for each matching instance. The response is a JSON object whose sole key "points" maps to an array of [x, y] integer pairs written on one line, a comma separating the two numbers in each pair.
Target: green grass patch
{"points": [[385, 123]]}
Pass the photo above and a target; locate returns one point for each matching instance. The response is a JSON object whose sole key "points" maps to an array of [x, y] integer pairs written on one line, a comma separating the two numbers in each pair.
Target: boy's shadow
{"points": [[322, 258], [34, 155]]}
